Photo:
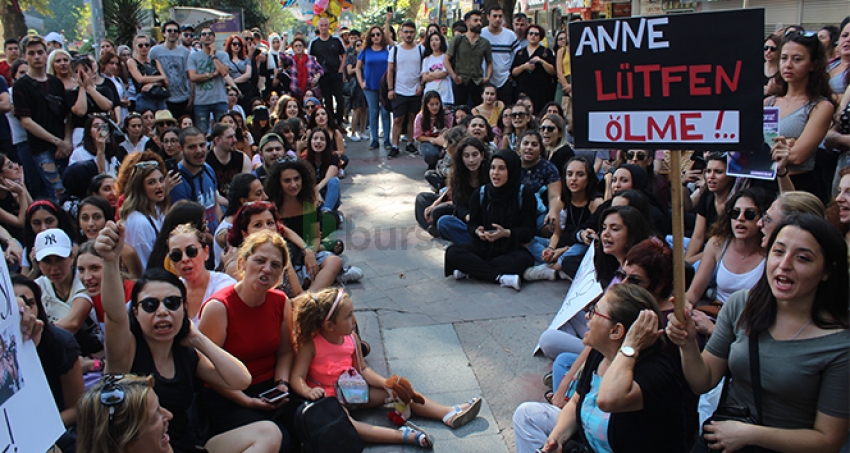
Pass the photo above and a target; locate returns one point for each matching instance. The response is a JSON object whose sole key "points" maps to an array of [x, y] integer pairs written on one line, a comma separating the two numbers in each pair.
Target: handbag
{"points": [[726, 412], [323, 426], [349, 87], [158, 92], [351, 388]]}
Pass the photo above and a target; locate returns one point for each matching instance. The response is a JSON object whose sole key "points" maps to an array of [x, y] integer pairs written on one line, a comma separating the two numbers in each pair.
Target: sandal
{"points": [[458, 417], [420, 439], [548, 396]]}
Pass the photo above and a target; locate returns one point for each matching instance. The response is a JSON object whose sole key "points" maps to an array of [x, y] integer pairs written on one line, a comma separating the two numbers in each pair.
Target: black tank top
{"points": [[225, 173]]}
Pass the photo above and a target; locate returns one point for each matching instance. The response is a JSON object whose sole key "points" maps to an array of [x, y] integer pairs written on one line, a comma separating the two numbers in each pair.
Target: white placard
{"points": [[715, 126], [29, 419], [584, 288]]}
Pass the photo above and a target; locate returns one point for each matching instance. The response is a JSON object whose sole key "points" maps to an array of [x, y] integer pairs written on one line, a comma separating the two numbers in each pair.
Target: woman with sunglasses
{"points": [[145, 203], [806, 107], [797, 314], [553, 131], [533, 68], [733, 258], [771, 63], [239, 68], [521, 121], [146, 74], [188, 253], [155, 337], [59, 355], [371, 66], [628, 396]]}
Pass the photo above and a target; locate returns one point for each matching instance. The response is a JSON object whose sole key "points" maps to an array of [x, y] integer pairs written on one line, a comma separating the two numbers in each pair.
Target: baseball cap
{"points": [[52, 242], [53, 37], [270, 137]]}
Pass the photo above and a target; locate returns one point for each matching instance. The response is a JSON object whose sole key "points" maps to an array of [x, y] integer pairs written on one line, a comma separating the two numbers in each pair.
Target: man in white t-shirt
{"points": [[403, 81], [504, 45]]}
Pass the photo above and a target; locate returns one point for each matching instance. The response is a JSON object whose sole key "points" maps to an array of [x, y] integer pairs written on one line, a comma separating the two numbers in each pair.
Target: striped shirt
{"points": [[504, 46]]}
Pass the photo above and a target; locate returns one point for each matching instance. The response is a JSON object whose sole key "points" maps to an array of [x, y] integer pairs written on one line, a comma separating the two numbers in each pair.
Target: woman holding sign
{"points": [[805, 107]]}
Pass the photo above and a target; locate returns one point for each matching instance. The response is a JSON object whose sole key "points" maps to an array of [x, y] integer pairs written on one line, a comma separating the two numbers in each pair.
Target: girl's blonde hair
{"points": [[310, 310], [52, 57], [100, 433], [135, 198], [254, 241]]}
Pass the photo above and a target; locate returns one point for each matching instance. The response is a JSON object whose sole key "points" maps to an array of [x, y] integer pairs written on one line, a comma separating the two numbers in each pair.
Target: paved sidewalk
{"points": [[454, 340]]}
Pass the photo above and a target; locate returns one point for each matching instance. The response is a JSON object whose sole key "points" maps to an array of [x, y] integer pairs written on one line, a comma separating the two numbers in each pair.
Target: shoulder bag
{"points": [[323, 426], [351, 388]]}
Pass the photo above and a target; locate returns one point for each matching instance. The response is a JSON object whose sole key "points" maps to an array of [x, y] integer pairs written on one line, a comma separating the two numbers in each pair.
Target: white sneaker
{"points": [[355, 137], [350, 274], [458, 275], [341, 173], [563, 276], [366, 136], [509, 281], [539, 272], [381, 134]]}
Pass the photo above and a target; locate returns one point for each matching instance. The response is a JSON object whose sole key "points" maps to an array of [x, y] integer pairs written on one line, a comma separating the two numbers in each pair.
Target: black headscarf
{"points": [[509, 190]]}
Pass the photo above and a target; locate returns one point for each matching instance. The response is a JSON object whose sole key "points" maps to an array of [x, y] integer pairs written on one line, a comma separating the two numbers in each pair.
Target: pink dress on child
{"points": [[330, 361]]}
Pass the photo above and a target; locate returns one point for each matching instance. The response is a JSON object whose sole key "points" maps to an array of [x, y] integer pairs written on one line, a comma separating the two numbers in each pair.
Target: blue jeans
{"points": [[561, 366], [144, 102], [577, 249], [331, 195], [375, 107], [431, 154], [202, 114], [31, 174], [453, 229], [47, 171]]}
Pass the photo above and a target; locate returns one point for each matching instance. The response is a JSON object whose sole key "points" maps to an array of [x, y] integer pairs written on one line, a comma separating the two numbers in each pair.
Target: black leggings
{"points": [[472, 260]]}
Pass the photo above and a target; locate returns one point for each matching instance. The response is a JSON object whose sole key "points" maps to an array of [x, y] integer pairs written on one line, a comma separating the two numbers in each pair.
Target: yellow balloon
{"points": [[333, 22], [334, 8]]}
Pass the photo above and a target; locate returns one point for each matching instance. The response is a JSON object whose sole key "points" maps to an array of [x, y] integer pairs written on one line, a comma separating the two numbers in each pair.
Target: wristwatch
{"points": [[628, 351]]}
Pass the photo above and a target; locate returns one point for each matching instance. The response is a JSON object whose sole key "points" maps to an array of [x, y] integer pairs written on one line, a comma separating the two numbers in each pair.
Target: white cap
{"points": [[53, 37], [52, 242]]}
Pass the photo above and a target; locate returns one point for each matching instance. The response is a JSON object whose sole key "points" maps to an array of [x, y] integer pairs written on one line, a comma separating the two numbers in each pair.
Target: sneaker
{"points": [[411, 148], [393, 152], [539, 272], [564, 276], [509, 281], [374, 145], [341, 174], [355, 137], [458, 275], [350, 274], [366, 136], [381, 134]]}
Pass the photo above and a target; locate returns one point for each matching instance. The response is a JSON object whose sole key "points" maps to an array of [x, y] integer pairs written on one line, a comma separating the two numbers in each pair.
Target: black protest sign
{"points": [[669, 82]]}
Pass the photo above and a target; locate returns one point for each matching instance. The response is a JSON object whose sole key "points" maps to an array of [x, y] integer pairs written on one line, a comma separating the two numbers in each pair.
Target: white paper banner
{"points": [[584, 288], [715, 126]]}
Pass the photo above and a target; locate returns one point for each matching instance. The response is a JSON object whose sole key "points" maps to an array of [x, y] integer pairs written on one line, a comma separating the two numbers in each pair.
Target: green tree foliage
{"points": [[122, 19], [65, 15], [278, 19]]}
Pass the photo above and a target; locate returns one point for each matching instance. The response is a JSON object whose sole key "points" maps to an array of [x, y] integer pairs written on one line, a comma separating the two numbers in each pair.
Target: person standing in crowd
{"points": [[434, 75], [405, 90], [330, 51], [172, 58], [534, 68], [13, 51], [187, 37], [225, 160], [40, 105], [371, 65], [504, 44], [520, 28], [467, 72], [198, 179], [208, 71], [147, 74]]}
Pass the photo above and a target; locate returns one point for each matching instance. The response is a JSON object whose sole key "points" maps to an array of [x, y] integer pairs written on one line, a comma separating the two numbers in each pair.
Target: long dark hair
{"points": [[111, 148], [818, 84], [638, 230], [592, 181], [63, 220], [829, 310], [425, 121], [308, 182], [98, 202], [722, 228], [240, 188], [156, 276], [461, 176], [327, 156]]}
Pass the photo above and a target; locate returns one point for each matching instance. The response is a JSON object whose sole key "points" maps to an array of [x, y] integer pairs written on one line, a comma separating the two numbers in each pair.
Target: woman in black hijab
{"points": [[502, 219]]}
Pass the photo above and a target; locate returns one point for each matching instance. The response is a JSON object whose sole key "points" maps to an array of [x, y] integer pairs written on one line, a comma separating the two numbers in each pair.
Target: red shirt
{"points": [[98, 305], [253, 333], [6, 71]]}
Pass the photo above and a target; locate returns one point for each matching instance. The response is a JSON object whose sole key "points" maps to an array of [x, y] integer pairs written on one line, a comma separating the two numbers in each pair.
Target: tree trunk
{"points": [[14, 25], [413, 9]]}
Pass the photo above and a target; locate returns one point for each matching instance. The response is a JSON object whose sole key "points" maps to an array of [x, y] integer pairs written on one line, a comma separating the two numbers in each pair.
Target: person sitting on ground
{"points": [[629, 394], [320, 155], [478, 127], [553, 130], [541, 176], [712, 200], [327, 346], [491, 107], [155, 337], [146, 199], [183, 211], [428, 128], [786, 205], [839, 210], [501, 219], [796, 314], [521, 121], [620, 229], [97, 145]]}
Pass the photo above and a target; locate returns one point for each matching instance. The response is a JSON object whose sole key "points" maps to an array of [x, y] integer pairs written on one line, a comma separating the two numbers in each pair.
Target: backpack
{"points": [[323, 426], [385, 87]]}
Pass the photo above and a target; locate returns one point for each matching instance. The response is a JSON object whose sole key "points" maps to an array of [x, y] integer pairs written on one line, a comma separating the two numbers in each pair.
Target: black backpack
{"points": [[324, 427]]}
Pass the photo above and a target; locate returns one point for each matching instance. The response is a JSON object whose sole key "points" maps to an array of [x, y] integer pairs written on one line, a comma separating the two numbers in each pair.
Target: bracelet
{"points": [[783, 174], [281, 381]]}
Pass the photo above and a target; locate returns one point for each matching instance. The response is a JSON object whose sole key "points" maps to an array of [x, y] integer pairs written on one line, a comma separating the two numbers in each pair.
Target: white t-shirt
{"points": [[55, 307], [141, 232], [407, 69], [442, 86], [139, 146], [504, 47], [81, 154], [218, 281], [19, 134]]}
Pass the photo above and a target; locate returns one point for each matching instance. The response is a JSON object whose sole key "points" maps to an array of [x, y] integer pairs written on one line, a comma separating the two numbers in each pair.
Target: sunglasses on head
{"points": [[151, 304], [749, 214], [176, 255], [633, 279], [804, 34], [112, 392], [548, 128], [636, 155], [770, 48]]}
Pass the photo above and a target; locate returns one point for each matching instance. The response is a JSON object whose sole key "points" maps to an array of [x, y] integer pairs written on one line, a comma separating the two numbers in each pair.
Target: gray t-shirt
{"points": [[798, 377], [210, 91], [174, 65]]}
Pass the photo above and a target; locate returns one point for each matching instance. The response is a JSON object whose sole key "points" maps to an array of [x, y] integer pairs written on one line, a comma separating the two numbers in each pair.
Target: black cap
{"points": [[187, 27]]}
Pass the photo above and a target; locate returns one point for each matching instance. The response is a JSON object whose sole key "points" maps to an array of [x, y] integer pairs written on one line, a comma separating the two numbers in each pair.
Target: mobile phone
{"points": [[170, 165], [273, 395], [389, 9], [699, 162]]}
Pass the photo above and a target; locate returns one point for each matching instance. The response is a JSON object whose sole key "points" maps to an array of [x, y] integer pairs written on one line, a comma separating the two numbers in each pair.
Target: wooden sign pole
{"points": [[677, 207]]}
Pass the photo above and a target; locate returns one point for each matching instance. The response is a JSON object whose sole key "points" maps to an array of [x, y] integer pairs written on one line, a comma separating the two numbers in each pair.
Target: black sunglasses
{"points": [[770, 48], [639, 155], [633, 279], [749, 214], [176, 255], [519, 115], [151, 304], [112, 392], [207, 33], [143, 44], [172, 30], [187, 34], [548, 128]]}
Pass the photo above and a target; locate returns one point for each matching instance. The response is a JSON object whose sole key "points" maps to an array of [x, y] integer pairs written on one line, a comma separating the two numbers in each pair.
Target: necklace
{"points": [[570, 214], [800, 331]]}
